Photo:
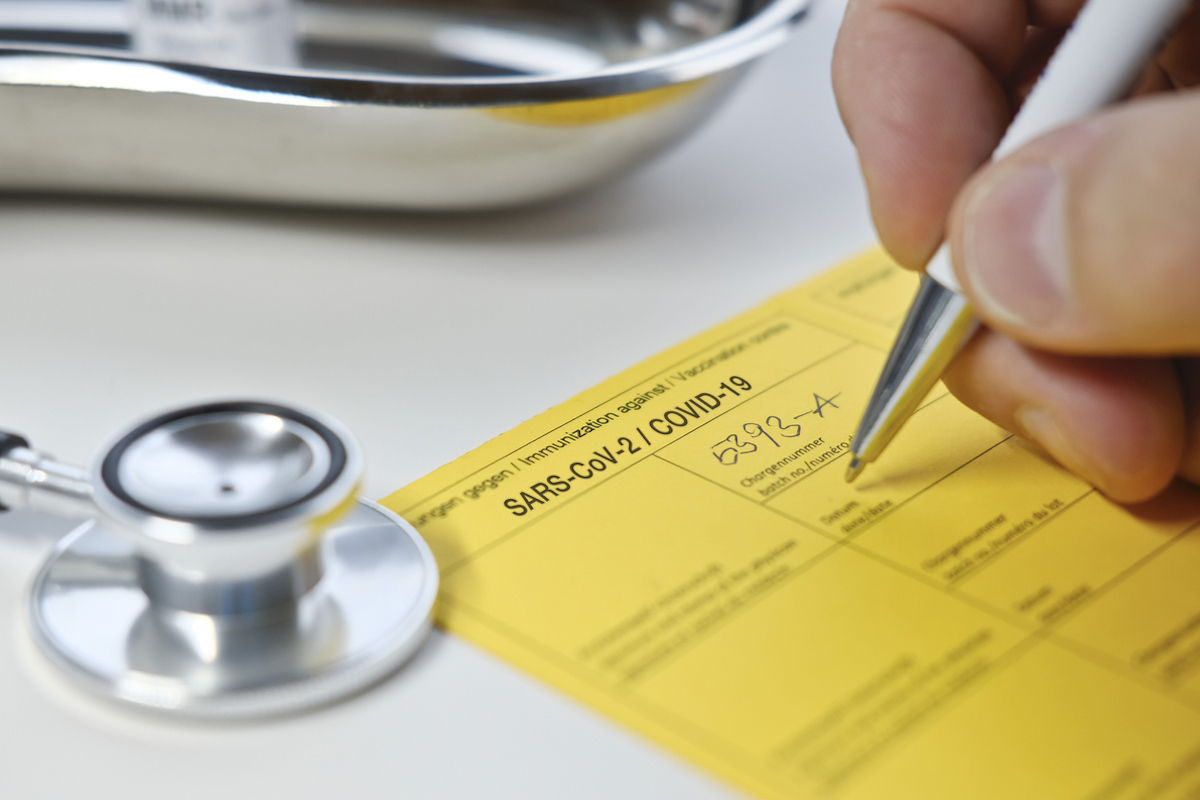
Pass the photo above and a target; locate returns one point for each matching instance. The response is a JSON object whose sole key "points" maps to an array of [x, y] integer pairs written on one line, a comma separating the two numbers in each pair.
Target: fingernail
{"points": [[1015, 245], [1040, 426]]}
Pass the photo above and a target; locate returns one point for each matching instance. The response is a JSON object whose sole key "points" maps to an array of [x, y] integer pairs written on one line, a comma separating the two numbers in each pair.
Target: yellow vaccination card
{"points": [[677, 548]]}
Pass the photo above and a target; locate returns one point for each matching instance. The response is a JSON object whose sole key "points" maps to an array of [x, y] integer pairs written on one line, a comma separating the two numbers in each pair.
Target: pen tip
{"points": [[854, 470]]}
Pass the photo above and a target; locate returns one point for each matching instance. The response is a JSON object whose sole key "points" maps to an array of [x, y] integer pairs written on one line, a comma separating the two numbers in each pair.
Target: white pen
{"points": [[1096, 64]]}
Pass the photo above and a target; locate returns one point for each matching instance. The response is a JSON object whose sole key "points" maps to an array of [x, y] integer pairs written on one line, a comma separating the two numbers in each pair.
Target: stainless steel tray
{"points": [[446, 104]]}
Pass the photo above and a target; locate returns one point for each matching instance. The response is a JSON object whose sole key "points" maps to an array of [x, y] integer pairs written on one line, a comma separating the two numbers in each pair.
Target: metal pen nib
{"points": [[855, 469], [937, 326]]}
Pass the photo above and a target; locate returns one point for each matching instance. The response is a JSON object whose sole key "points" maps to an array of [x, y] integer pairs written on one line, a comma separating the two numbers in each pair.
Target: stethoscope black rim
{"points": [[337, 458]]}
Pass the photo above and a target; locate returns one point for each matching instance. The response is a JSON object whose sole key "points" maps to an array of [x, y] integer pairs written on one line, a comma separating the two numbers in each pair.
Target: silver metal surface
{"points": [[226, 493], [371, 610], [444, 105], [34, 481], [224, 464], [228, 570], [937, 326]]}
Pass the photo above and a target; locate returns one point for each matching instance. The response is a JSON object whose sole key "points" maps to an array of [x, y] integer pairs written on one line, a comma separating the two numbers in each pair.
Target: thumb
{"points": [[1088, 239]]}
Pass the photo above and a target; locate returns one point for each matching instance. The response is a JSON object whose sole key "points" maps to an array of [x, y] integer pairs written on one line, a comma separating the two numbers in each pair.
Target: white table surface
{"points": [[426, 335]]}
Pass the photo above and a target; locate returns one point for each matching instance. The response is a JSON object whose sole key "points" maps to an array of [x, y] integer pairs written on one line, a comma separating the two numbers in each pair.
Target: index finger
{"points": [[921, 88]]}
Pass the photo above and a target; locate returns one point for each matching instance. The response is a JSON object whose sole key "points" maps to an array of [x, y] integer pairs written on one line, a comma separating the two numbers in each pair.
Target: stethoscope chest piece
{"points": [[230, 571]]}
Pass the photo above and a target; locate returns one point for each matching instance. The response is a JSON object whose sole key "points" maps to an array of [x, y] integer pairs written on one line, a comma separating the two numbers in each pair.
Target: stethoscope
{"points": [[227, 568]]}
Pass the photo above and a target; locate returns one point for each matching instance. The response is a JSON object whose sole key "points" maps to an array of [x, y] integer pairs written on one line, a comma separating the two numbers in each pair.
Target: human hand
{"points": [[1080, 251]]}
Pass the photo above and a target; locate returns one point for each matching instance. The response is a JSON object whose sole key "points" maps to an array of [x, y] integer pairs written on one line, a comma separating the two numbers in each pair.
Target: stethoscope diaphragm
{"points": [[229, 569]]}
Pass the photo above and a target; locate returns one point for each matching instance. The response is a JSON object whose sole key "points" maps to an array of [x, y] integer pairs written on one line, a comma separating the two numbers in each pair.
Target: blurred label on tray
{"points": [[227, 33]]}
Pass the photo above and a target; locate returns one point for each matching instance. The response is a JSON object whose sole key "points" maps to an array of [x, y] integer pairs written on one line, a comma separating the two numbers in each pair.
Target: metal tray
{"points": [[447, 104]]}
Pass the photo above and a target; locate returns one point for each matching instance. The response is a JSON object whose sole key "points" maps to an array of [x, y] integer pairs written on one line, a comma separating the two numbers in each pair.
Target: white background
{"points": [[426, 335]]}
